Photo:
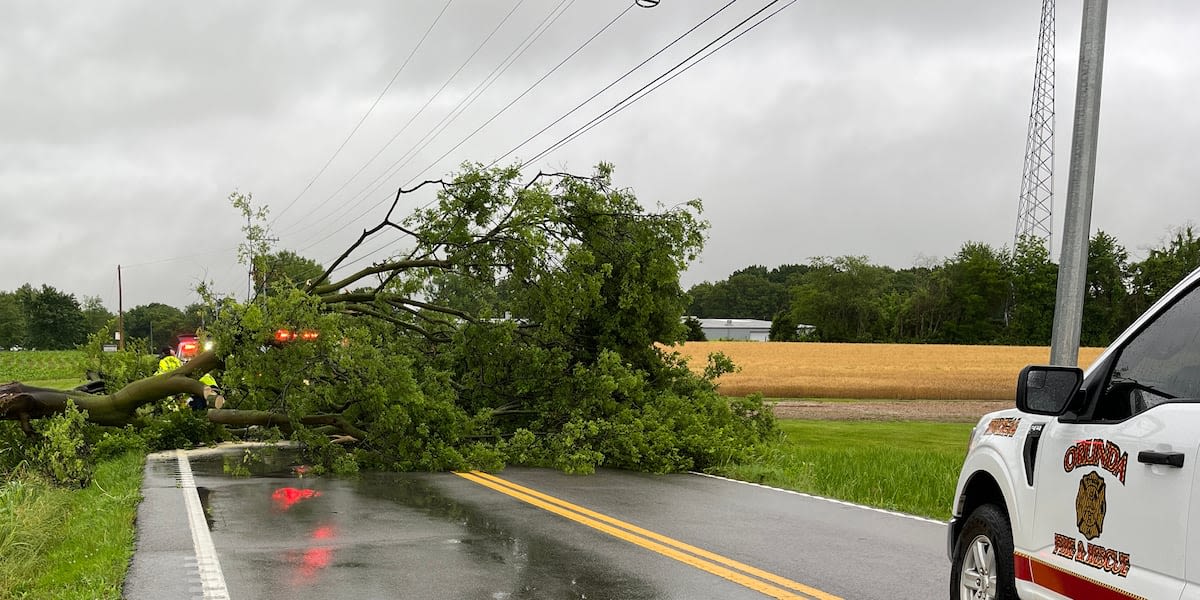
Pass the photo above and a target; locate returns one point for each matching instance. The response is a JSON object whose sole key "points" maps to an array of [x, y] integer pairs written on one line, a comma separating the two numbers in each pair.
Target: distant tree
{"points": [[198, 315], [157, 323], [695, 333], [1034, 286], [282, 270], [1104, 308], [788, 275], [897, 306], [749, 293], [699, 300], [54, 319], [1162, 269], [12, 321], [753, 296], [783, 327], [840, 297], [977, 287], [925, 308], [95, 316]]}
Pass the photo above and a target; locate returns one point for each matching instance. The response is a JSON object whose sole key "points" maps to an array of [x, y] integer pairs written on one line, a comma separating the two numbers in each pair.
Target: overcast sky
{"points": [[894, 130]]}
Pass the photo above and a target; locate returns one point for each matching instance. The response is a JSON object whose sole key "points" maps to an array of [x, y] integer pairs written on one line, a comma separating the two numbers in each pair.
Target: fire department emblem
{"points": [[1090, 505]]}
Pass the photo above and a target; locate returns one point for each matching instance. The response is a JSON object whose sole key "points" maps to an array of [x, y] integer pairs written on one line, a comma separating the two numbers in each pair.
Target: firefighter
{"points": [[167, 362]]}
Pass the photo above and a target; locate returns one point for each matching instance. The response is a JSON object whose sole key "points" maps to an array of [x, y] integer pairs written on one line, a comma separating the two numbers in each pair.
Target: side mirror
{"points": [[1047, 390]]}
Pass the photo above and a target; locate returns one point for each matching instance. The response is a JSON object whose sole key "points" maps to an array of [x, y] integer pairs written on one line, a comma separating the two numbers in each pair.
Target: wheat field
{"points": [[873, 371]]}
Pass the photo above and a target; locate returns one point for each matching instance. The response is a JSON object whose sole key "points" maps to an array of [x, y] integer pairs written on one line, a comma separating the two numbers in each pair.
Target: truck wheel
{"points": [[983, 557]]}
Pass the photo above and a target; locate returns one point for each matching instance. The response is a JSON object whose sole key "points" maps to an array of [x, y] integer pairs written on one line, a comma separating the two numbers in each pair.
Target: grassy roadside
{"points": [[906, 466], [60, 543], [40, 365]]}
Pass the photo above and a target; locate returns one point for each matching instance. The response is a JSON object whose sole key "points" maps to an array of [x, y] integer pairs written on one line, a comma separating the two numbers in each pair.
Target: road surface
{"points": [[521, 534]]}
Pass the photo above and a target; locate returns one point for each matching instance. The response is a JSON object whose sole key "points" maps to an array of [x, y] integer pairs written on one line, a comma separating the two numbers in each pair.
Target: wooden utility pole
{"points": [[120, 313]]}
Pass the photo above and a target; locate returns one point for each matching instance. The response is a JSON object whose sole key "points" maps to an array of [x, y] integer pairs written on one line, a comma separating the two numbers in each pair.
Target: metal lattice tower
{"points": [[1034, 210]]}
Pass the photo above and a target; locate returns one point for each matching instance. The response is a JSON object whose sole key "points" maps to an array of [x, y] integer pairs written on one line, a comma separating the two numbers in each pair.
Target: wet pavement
{"points": [[439, 535]]}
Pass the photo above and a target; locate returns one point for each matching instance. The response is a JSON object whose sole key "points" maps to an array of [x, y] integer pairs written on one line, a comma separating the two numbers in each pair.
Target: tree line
{"points": [[46, 318], [980, 295]]}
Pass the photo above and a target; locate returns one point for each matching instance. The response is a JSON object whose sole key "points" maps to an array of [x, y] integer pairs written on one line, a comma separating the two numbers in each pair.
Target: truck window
{"points": [[1160, 364]]}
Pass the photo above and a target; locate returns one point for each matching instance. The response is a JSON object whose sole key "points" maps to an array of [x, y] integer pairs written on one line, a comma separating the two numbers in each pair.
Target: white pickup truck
{"points": [[1089, 487]]}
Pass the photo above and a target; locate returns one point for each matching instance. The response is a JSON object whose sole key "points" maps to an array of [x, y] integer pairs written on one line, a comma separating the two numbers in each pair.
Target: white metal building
{"points": [[736, 329]]}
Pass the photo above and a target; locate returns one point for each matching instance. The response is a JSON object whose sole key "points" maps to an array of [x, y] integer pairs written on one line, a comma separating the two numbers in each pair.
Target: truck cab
{"points": [[1085, 488]]}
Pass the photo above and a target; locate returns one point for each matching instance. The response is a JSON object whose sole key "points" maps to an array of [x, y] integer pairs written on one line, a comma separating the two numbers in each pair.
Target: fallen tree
{"points": [[521, 322]]}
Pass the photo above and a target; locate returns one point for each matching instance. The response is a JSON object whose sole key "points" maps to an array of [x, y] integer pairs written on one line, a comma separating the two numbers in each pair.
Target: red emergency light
{"points": [[188, 349], [284, 336]]}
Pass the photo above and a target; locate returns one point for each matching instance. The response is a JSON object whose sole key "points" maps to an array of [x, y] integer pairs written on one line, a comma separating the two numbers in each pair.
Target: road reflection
{"points": [[286, 497], [389, 535]]}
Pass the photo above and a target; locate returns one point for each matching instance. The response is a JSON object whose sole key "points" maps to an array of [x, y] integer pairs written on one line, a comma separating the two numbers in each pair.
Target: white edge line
{"points": [[212, 580], [842, 502]]}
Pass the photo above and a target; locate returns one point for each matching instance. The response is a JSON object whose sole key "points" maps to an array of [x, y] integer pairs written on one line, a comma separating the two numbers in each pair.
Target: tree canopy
{"points": [[44, 318], [524, 322]]}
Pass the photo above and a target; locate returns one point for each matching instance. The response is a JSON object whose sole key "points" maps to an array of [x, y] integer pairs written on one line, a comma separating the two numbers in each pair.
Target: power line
{"points": [[178, 258], [466, 102], [420, 110], [615, 82], [366, 114], [522, 95], [487, 81], [393, 169], [629, 100], [657, 82]]}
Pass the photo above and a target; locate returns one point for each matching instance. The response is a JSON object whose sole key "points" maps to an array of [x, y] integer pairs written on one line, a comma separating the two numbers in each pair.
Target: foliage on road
{"points": [[523, 324]]}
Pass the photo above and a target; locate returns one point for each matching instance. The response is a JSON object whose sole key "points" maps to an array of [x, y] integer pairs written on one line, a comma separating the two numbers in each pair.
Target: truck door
{"points": [[1114, 477]]}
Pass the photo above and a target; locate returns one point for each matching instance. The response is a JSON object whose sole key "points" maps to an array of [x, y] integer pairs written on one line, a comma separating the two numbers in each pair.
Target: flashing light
{"points": [[188, 349], [284, 336]]}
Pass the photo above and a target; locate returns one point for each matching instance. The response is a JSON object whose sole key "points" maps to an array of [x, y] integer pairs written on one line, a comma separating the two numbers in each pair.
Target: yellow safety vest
{"points": [[167, 364]]}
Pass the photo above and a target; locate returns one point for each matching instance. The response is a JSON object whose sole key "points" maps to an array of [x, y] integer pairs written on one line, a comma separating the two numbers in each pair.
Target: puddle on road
{"points": [[385, 532]]}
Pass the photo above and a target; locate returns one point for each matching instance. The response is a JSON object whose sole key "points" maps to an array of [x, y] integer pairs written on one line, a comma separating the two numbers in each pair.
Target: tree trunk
{"points": [[20, 402]]}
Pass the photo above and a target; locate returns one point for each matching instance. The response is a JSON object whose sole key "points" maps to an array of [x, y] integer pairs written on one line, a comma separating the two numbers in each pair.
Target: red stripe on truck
{"points": [[1027, 568]]}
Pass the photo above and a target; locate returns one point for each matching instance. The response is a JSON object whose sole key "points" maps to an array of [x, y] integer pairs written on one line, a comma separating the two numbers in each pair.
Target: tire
{"points": [[983, 557]]}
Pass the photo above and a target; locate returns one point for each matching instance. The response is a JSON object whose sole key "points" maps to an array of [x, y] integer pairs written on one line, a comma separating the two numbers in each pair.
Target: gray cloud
{"points": [[892, 130]]}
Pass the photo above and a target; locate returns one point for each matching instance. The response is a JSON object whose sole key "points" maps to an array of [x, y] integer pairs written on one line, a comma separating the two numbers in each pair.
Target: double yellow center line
{"points": [[756, 579]]}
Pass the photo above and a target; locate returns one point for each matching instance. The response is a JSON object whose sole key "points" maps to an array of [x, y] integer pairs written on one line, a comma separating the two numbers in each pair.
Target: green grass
{"points": [[907, 466], [60, 543], [56, 384], [40, 365]]}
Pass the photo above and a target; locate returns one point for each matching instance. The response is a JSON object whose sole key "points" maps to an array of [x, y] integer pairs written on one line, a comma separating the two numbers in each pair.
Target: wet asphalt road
{"points": [[440, 535]]}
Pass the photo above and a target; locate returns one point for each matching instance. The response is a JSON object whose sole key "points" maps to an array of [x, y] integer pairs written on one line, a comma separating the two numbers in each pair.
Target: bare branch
{"points": [[384, 267]]}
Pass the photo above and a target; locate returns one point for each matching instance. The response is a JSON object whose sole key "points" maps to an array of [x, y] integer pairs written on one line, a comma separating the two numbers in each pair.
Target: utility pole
{"points": [[252, 241], [120, 313], [1072, 267]]}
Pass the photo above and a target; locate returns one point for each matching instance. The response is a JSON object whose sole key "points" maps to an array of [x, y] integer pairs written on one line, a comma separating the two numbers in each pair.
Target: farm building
{"points": [[736, 329], [753, 330]]}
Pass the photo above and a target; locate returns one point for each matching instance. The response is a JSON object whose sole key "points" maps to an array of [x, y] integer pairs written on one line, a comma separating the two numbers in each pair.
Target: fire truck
{"points": [[1085, 488]]}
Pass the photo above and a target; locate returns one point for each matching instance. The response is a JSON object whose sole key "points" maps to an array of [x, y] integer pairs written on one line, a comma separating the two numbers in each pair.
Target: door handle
{"points": [[1170, 459]]}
